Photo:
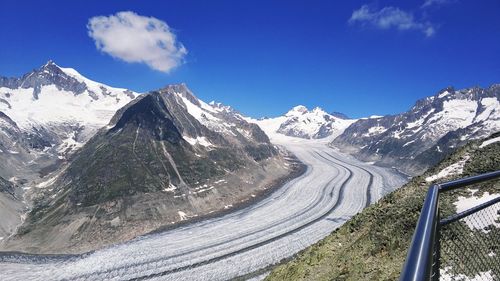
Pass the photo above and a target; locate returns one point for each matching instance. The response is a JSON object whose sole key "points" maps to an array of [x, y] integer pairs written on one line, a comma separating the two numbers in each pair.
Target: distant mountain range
{"points": [[410, 141], [95, 165], [304, 123], [421, 137]]}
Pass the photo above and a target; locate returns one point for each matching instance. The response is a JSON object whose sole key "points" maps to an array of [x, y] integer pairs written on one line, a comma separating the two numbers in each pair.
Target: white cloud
{"points": [[390, 17], [134, 38], [429, 3]]}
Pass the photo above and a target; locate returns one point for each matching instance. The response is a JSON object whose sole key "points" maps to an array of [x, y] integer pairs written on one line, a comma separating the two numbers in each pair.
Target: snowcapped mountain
{"points": [[215, 117], [430, 130], [164, 157], [53, 111], [304, 123]]}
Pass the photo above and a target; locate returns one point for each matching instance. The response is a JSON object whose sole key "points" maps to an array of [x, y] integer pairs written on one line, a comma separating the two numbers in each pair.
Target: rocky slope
{"points": [[15, 149], [11, 206], [309, 124], [421, 137], [165, 157], [373, 244]]}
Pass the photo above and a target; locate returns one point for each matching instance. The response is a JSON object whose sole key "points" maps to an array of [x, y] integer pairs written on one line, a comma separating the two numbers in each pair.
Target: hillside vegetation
{"points": [[374, 243]]}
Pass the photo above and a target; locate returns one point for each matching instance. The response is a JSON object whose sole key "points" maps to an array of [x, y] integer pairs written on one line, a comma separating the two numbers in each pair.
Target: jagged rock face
{"points": [[215, 117], [130, 157], [49, 74], [157, 143], [6, 186], [15, 147], [314, 124], [10, 207], [49, 113], [430, 130]]}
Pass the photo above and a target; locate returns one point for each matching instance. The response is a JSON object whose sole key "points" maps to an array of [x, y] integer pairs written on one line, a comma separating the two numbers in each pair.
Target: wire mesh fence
{"points": [[470, 247]]}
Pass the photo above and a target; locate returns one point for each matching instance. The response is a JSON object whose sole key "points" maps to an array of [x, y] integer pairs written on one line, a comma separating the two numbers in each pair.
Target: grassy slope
{"points": [[374, 243]]}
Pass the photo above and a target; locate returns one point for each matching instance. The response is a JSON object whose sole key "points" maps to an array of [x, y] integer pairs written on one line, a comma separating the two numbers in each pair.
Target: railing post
{"points": [[419, 261]]}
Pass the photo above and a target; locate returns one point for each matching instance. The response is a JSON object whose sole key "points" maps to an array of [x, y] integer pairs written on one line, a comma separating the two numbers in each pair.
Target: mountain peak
{"points": [[54, 92], [50, 62], [445, 92], [182, 90], [316, 123], [176, 88], [297, 110], [318, 110], [301, 110], [50, 66]]}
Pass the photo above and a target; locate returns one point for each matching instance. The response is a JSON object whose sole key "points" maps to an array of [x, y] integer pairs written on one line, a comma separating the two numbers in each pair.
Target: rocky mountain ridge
{"points": [[425, 134]]}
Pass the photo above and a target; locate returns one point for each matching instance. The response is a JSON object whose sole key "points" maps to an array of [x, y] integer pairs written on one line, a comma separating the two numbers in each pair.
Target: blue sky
{"points": [[263, 57]]}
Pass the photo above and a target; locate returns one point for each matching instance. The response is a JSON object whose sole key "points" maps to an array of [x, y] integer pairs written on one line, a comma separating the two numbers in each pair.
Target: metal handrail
{"points": [[452, 185], [469, 212], [420, 259]]}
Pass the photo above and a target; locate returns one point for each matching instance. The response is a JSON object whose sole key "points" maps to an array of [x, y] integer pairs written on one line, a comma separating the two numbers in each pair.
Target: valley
{"points": [[333, 189], [249, 140], [164, 186]]}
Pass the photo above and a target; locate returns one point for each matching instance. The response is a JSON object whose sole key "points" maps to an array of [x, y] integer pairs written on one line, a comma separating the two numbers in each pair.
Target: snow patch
{"points": [[491, 109], [490, 141], [59, 106], [372, 117], [197, 112], [48, 182], [115, 222], [443, 94], [170, 188], [397, 134], [69, 143], [198, 141], [465, 203], [203, 188], [455, 114], [375, 130], [92, 85], [182, 215], [454, 169], [444, 275], [408, 143]]}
